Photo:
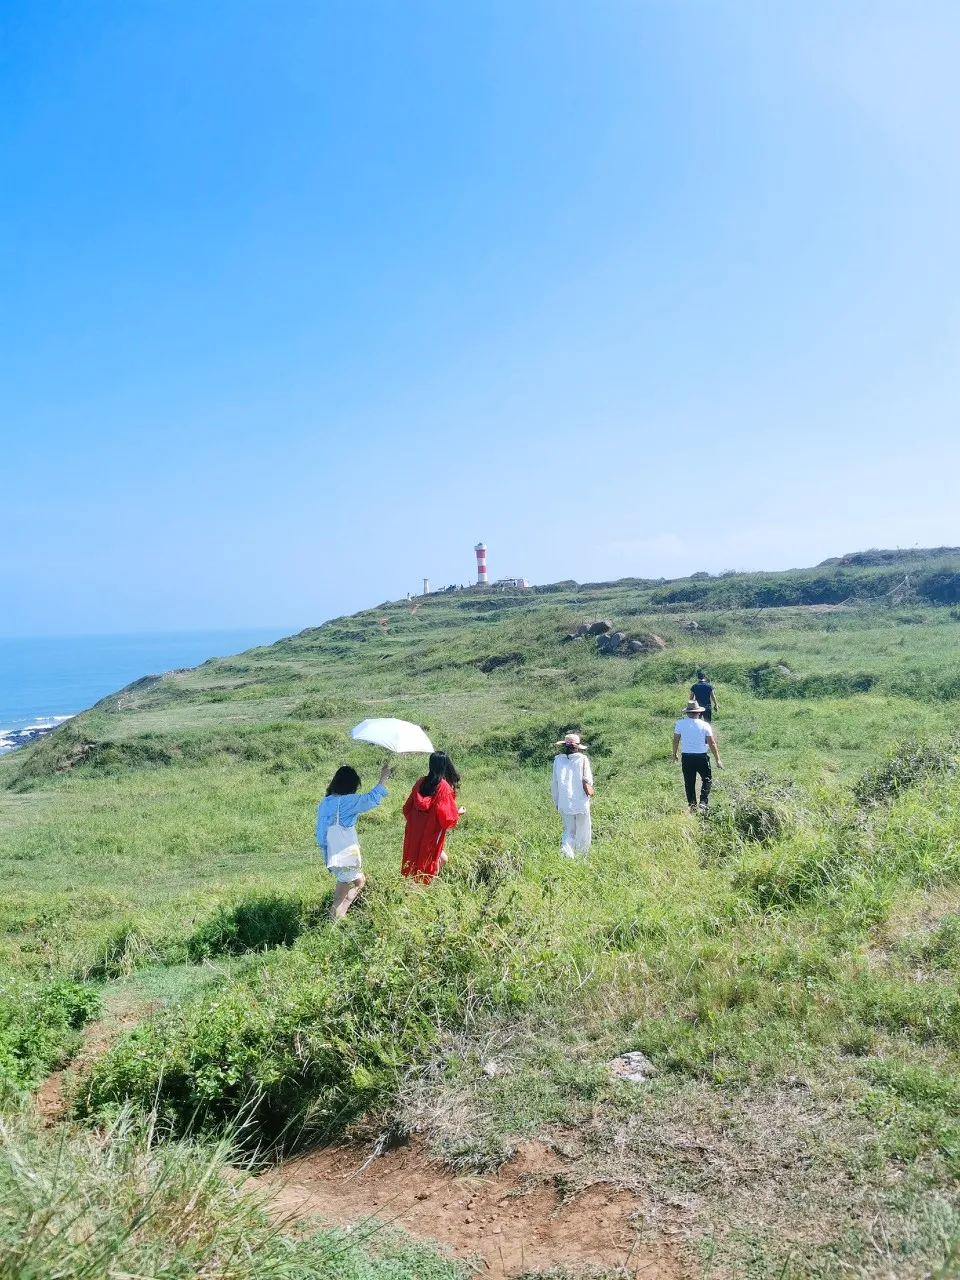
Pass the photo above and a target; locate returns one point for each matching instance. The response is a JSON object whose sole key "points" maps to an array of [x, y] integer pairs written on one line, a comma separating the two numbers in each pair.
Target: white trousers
{"points": [[577, 831]]}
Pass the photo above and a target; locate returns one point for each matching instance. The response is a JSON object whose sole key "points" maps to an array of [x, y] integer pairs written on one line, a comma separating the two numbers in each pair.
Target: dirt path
{"points": [[49, 1099], [510, 1223]]}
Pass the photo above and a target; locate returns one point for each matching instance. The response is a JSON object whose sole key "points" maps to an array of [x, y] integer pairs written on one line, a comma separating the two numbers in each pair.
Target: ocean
{"points": [[51, 677]]}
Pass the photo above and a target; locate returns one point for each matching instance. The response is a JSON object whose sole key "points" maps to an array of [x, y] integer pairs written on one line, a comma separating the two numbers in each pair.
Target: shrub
{"points": [[908, 764], [534, 743], [255, 924], [757, 809], [39, 1029], [772, 681], [326, 707], [306, 1040]]}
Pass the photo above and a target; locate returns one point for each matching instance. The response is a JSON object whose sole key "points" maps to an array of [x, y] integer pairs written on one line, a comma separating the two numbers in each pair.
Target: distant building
{"points": [[511, 582]]}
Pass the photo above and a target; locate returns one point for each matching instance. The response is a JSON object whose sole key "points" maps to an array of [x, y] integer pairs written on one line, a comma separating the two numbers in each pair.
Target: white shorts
{"points": [[346, 875]]}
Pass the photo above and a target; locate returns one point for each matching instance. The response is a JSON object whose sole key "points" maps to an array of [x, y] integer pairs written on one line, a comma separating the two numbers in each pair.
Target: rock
{"points": [[691, 625], [491, 1068], [657, 641], [634, 1067], [582, 630], [784, 671], [636, 646], [598, 628], [611, 643]]}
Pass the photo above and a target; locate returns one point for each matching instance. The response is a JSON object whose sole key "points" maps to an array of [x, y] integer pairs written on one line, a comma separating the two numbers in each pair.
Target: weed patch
{"points": [[909, 763], [311, 1038], [40, 1029], [255, 924]]}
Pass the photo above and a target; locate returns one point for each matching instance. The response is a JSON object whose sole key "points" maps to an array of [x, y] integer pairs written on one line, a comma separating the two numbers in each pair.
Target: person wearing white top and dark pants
{"points": [[572, 789], [695, 735]]}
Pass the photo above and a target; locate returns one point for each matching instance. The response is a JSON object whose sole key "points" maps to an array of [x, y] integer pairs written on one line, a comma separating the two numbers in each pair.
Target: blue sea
{"points": [[56, 676]]}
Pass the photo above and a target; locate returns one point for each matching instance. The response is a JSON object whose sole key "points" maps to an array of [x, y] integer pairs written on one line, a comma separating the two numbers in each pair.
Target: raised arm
{"points": [[369, 799]]}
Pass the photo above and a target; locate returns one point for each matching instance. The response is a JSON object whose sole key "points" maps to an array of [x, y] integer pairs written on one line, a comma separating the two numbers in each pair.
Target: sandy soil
{"points": [[510, 1223]]}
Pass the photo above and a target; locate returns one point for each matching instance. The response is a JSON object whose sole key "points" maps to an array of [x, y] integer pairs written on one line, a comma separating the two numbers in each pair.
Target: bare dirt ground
{"points": [[50, 1100], [509, 1224]]}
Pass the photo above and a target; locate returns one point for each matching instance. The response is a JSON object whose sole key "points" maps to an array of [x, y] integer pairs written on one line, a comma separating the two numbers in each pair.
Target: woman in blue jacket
{"points": [[337, 814]]}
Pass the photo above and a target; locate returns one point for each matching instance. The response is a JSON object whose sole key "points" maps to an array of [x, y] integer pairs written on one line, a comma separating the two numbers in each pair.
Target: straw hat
{"points": [[693, 708], [571, 740]]}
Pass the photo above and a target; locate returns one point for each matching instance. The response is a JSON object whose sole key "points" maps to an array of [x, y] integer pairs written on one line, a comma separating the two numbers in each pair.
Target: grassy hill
{"points": [[788, 964]]}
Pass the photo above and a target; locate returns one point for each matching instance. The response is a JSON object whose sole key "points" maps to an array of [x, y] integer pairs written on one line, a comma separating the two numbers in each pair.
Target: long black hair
{"points": [[345, 782], [441, 770]]}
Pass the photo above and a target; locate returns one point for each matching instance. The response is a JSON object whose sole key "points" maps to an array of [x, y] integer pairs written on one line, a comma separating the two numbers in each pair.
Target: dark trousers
{"points": [[707, 715], [693, 763]]}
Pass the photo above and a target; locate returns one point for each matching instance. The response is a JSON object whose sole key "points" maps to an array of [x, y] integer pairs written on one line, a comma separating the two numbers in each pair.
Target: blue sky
{"points": [[299, 300]]}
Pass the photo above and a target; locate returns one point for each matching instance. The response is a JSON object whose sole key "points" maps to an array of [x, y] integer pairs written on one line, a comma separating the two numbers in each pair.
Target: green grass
{"points": [[119, 1203], [790, 965]]}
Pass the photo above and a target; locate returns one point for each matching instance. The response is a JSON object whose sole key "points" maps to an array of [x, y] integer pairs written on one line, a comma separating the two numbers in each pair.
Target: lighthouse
{"points": [[481, 551]]}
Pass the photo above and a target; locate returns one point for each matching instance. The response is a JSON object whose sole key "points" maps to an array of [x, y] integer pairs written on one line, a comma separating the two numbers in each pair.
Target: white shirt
{"points": [[694, 733], [569, 775]]}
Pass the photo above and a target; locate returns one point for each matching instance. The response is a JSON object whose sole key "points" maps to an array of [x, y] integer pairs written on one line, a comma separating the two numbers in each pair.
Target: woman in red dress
{"points": [[431, 811]]}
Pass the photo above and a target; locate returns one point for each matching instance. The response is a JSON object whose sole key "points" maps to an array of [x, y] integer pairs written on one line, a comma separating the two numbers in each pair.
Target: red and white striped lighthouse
{"points": [[481, 551]]}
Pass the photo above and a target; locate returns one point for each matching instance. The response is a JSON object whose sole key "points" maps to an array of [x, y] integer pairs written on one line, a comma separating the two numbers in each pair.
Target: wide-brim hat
{"points": [[692, 707], [571, 740]]}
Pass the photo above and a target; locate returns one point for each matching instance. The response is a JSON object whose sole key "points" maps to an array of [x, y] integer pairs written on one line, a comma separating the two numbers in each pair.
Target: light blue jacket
{"points": [[350, 808]]}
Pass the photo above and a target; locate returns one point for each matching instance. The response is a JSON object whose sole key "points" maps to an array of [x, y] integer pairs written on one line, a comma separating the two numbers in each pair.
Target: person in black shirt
{"points": [[703, 693]]}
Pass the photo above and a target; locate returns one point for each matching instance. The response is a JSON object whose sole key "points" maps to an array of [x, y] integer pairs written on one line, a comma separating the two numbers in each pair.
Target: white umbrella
{"points": [[396, 735]]}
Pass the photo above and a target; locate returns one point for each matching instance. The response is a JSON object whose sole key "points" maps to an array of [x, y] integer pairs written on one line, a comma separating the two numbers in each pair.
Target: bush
{"points": [[908, 764], [255, 924], [326, 707], [771, 681], [535, 743], [301, 1042], [757, 809], [39, 1029]]}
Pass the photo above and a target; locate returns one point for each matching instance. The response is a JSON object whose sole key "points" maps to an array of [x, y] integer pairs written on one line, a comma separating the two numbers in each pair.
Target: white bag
{"points": [[343, 844]]}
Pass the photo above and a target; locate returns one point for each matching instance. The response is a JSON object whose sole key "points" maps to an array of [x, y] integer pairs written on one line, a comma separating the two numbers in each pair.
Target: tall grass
{"points": [[118, 1203], [741, 952]]}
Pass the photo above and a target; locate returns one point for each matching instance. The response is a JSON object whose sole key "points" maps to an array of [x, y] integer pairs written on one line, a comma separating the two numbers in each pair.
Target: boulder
{"points": [[598, 628], [782, 670], [617, 637], [582, 630], [636, 646], [657, 642], [691, 625]]}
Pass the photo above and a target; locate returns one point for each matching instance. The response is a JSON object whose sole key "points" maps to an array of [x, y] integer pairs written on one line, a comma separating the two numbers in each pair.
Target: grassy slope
{"points": [[797, 993]]}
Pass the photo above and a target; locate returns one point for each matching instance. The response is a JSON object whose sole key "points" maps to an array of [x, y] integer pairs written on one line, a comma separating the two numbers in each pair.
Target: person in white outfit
{"points": [[572, 790]]}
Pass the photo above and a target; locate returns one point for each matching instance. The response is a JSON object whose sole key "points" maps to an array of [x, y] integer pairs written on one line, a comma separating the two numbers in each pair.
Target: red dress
{"points": [[429, 818]]}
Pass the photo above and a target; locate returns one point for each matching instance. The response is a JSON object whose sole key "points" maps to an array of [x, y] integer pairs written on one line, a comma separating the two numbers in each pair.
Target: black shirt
{"points": [[703, 692]]}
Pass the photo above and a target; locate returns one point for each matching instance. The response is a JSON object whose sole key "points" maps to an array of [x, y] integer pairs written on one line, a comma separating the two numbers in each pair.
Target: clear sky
{"points": [[301, 299]]}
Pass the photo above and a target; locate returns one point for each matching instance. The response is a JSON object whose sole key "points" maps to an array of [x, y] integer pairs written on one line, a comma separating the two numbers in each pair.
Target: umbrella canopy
{"points": [[396, 735]]}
